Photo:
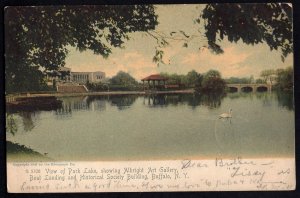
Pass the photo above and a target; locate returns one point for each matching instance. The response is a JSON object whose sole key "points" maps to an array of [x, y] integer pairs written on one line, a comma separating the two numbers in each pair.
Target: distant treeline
{"points": [[210, 81]]}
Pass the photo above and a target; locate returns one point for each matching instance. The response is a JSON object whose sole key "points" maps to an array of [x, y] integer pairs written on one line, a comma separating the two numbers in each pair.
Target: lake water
{"points": [[158, 127]]}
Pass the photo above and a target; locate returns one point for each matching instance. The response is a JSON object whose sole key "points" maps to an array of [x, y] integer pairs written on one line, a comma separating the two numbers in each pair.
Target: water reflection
{"points": [[65, 110], [212, 100], [193, 100], [11, 125], [123, 102], [160, 126], [285, 99], [86, 103], [27, 119], [96, 103]]}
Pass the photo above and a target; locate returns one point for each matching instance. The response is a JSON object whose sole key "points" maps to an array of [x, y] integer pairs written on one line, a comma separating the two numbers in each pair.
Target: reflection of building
{"points": [[74, 104], [64, 74]]}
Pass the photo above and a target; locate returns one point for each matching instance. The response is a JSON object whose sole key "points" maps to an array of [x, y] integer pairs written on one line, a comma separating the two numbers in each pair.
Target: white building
{"points": [[64, 74], [84, 77]]}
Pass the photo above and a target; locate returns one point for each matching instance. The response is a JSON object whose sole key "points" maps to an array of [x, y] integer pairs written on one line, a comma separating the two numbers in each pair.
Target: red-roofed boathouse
{"points": [[155, 81]]}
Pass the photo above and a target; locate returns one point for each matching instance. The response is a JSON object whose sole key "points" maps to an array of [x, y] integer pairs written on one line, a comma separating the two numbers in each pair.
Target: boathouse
{"points": [[154, 82]]}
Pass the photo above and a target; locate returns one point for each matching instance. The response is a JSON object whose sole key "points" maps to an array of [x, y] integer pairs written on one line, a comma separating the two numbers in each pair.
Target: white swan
{"points": [[226, 115]]}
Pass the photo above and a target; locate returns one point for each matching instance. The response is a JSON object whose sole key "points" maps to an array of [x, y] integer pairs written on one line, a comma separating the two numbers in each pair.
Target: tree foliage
{"points": [[281, 79], [213, 82], [236, 80], [123, 78], [255, 23], [251, 23], [268, 75], [285, 79], [175, 79], [37, 37], [193, 79]]}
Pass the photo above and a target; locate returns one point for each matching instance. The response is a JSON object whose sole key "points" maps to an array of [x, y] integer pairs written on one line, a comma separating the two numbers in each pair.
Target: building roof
{"points": [[155, 77]]}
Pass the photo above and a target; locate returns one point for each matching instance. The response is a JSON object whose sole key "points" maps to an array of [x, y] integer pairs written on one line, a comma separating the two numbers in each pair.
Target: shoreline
{"points": [[56, 94]]}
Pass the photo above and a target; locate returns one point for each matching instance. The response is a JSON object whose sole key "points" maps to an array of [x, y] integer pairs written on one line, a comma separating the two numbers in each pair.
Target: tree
{"points": [[259, 81], [123, 78], [252, 23], [251, 79], [236, 80], [270, 23], [174, 79], [36, 37], [212, 82], [211, 74], [285, 79], [268, 75], [193, 79]]}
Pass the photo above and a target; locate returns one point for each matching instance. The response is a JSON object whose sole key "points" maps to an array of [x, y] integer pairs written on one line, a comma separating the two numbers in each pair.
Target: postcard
{"points": [[140, 98]]}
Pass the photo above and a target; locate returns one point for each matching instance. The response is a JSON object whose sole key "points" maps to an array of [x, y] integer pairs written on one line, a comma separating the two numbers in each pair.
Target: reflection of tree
{"points": [[174, 99], [123, 102], [160, 100], [27, 120], [212, 100], [91, 99], [11, 125], [266, 98], [285, 99], [193, 100], [155, 100], [238, 95]]}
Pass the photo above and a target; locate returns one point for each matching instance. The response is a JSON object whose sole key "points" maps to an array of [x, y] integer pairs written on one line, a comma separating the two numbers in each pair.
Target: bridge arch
{"points": [[247, 89], [262, 88], [233, 89]]}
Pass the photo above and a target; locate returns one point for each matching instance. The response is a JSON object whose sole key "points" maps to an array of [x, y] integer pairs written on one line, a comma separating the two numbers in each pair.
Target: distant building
{"points": [[84, 77], [64, 75]]}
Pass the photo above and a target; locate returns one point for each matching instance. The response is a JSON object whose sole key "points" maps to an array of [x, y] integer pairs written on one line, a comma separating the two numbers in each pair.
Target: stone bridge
{"points": [[249, 87]]}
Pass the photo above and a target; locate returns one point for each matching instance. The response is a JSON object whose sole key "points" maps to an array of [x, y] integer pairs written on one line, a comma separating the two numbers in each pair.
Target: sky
{"points": [[238, 59]]}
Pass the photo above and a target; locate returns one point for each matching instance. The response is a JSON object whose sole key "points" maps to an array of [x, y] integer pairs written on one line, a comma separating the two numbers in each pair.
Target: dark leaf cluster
{"points": [[251, 23], [38, 36]]}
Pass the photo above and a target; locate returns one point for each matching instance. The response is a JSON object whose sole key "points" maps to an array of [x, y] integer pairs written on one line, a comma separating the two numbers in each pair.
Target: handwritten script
{"points": [[180, 175]]}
